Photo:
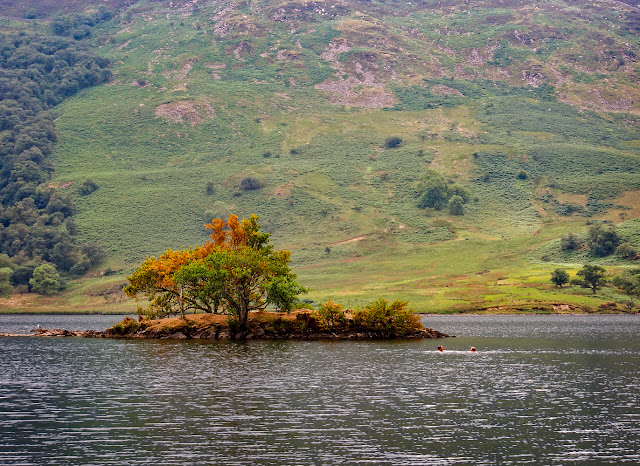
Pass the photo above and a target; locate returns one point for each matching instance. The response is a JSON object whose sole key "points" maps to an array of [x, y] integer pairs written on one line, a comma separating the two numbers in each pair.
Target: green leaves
{"points": [[239, 273]]}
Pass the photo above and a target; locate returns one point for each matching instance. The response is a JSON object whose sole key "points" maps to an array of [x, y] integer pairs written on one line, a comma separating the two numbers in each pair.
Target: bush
{"points": [[87, 187], [629, 282], [570, 242], [455, 205], [602, 241], [434, 191], [331, 315], [626, 251], [127, 327], [95, 254], [210, 188], [523, 175], [392, 141], [249, 183], [387, 319], [80, 268]]}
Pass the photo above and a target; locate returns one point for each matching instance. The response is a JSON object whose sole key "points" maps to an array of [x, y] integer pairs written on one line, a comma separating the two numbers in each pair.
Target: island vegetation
{"points": [[238, 274]]}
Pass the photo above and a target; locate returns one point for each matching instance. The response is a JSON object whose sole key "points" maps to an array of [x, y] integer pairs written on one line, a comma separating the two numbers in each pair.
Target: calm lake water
{"points": [[540, 390]]}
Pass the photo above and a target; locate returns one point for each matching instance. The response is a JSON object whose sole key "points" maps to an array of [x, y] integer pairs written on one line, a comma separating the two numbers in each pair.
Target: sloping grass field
{"points": [[203, 99]]}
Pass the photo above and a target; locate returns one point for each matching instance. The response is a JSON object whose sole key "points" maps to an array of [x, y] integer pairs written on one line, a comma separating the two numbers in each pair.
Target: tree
{"points": [[570, 242], [238, 272], [5, 281], [434, 192], [559, 277], [602, 241], [95, 254], [22, 275], [629, 281], [45, 280], [456, 205], [626, 251], [591, 276]]}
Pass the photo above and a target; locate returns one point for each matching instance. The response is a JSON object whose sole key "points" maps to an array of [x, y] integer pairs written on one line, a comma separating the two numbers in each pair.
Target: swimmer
{"points": [[473, 349], [440, 348]]}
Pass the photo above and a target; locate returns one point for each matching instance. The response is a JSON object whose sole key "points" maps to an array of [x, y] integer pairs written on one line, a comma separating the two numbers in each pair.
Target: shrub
{"points": [[570, 242], [87, 187], [249, 183], [387, 319], [80, 268], [523, 175], [455, 205], [629, 282], [602, 241], [626, 251], [210, 188], [331, 315], [127, 327], [392, 141], [629, 304], [94, 253], [434, 191]]}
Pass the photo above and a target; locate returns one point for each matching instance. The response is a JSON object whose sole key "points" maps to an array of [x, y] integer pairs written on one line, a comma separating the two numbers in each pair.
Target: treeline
{"points": [[36, 224]]}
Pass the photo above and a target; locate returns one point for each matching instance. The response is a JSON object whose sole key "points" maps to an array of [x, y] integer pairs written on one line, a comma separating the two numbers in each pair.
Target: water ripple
{"points": [[522, 399]]}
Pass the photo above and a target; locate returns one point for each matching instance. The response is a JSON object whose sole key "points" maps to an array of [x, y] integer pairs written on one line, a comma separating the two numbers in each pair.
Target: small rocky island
{"points": [[299, 324]]}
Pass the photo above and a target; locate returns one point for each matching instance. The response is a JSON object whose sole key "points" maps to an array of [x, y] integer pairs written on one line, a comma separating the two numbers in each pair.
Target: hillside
{"points": [[283, 108]]}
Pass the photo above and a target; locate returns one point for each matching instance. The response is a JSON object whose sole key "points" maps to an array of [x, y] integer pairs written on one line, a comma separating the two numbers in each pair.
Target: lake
{"points": [[540, 390]]}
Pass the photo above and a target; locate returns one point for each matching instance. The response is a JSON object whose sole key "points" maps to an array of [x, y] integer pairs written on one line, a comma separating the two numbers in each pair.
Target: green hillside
{"points": [[531, 107]]}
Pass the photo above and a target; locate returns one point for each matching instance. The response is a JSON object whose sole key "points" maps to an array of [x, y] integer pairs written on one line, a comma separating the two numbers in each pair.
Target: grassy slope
{"points": [[242, 84]]}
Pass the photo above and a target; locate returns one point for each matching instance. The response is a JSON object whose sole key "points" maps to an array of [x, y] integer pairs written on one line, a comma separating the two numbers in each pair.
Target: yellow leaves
{"points": [[236, 234], [219, 233]]}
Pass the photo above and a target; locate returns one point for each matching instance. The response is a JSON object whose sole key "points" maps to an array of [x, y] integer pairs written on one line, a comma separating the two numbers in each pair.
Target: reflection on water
{"points": [[540, 390]]}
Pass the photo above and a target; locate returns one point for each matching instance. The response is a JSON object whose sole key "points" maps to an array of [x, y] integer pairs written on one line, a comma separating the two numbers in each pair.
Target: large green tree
{"points": [[602, 241], [592, 276], [559, 277], [45, 280], [435, 193]]}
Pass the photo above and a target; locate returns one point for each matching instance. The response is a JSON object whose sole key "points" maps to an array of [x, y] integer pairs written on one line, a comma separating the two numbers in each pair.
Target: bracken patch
{"points": [[186, 111]]}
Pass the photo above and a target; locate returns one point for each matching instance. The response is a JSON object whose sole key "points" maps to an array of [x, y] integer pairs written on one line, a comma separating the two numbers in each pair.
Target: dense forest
{"points": [[36, 224]]}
